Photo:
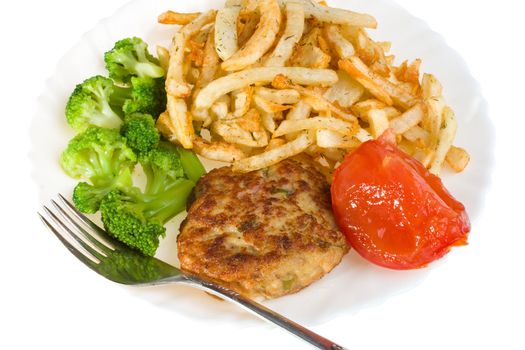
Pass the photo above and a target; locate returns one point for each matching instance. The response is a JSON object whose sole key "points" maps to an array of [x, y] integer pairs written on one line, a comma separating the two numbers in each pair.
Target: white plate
{"points": [[363, 283]]}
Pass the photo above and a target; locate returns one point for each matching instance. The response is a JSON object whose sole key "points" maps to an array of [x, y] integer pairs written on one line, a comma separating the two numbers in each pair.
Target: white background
{"points": [[50, 301]]}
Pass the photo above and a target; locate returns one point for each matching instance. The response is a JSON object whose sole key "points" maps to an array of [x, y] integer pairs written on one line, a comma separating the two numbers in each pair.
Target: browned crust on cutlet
{"points": [[265, 233]]}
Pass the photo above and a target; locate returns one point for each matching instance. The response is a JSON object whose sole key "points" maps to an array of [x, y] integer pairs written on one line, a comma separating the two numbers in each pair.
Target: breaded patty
{"points": [[266, 233]]}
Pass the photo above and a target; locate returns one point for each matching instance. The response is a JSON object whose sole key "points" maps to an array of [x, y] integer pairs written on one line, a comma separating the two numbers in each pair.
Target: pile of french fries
{"points": [[257, 82]]}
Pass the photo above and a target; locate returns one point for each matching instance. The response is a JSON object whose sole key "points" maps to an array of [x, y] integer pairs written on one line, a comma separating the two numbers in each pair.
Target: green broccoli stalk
{"points": [[130, 57], [140, 132], [137, 218], [144, 95], [191, 164], [101, 156], [89, 104], [162, 167]]}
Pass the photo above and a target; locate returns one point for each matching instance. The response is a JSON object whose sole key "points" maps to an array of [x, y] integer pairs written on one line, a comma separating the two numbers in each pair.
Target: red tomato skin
{"points": [[392, 210]]}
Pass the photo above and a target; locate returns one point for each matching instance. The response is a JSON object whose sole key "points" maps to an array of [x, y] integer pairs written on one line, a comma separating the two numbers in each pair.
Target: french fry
{"points": [[418, 135], [226, 41], [401, 96], [274, 155], [274, 81], [262, 75], [171, 17], [249, 27], [210, 63], [248, 5], [363, 135], [192, 76], [434, 117], [335, 15], [423, 155], [300, 111], [267, 106], [430, 86], [260, 41], [333, 124], [385, 46], [457, 158], [217, 150], [274, 143], [313, 98], [201, 116], [409, 73], [164, 57], [333, 139], [371, 54], [343, 47], [308, 53], [406, 146], [346, 92], [291, 36], [241, 101], [196, 54], [165, 127], [361, 108], [446, 137], [378, 120], [333, 155], [268, 121], [391, 112], [220, 108], [251, 121], [409, 119], [175, 83], [360, 72], [282, 97], [231, 132], [181, 120]]}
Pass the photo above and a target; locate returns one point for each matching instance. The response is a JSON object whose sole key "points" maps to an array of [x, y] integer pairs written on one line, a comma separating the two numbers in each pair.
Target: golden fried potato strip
{"points": [[171, 17], [176, 84], [226, 41], [261, 40], [274, 155], [291, 36], [262, 75], [333, 15], [360, 72]]}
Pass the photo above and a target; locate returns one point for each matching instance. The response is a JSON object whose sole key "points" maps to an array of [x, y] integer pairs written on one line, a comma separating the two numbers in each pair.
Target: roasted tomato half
{"points": [[392, 210]]}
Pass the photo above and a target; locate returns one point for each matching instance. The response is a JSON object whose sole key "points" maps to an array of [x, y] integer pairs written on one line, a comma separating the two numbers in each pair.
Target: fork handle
{"points": [[263, 312]]}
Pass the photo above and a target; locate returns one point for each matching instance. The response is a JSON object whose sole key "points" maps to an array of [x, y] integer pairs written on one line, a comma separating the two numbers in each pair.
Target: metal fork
{"points": [[118, 263]]}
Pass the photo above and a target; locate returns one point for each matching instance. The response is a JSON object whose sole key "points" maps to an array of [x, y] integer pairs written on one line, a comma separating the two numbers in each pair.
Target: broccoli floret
{"points": [[130, 57], [144, 95], [163, 168], [97, 154], [137, 218], [87, 198], [140, 132], [102, 157], [89, 104], [124, 218]]}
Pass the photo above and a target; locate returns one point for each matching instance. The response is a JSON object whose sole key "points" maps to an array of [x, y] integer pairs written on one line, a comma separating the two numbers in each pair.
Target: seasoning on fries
{"points": [[274, 79]]}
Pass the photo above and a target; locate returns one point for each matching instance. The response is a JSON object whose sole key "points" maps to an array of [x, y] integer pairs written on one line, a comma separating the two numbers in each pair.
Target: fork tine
{"points": [[101, 234], [73, 235], [97, 245], [88, 260]]}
